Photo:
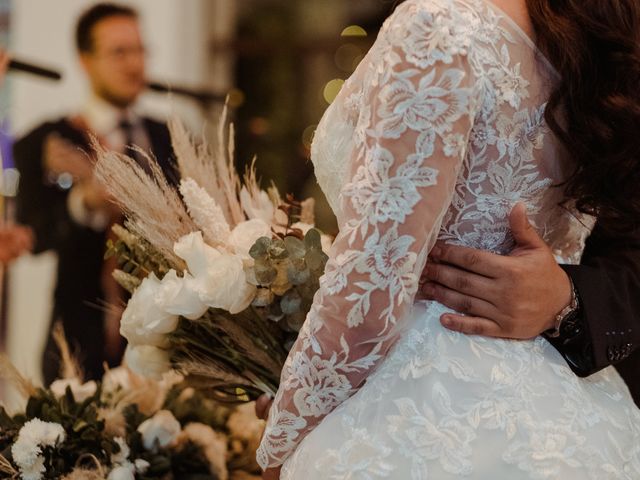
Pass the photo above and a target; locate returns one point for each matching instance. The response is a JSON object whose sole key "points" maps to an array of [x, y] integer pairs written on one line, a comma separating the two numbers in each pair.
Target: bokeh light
{"points": [[236, 98], [332, 89], [346, 57], [259, 126], [354, 31]]}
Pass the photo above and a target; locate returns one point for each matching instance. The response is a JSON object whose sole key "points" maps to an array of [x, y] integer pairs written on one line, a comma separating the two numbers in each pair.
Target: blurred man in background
{"points": [[63, 203]]}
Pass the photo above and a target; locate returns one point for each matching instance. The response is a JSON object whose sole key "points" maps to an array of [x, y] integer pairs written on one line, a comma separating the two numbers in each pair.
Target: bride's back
{"points": [[512, 156]]}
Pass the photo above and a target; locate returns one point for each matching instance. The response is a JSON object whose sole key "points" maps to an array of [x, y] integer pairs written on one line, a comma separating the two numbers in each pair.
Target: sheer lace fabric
{"points": [[438, 133]]}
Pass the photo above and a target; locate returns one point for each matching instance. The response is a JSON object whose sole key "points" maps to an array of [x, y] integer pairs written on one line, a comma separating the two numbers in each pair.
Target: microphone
{"points": [[37, 70], [202, 96]]}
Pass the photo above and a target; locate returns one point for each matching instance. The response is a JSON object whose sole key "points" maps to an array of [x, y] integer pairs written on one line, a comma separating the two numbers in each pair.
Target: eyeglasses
{"points": [[119, 54]]}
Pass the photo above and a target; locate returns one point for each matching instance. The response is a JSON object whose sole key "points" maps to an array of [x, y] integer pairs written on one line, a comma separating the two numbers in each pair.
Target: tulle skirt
{"points": [[443, 405]]}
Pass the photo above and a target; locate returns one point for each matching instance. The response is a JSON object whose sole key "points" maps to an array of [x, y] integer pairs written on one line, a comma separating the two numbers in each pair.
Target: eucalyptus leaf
{"points": [[312, 239], [264, 297], [260, 248], [265, 275], [251, 277], [277, 250], [298, 273], [295, 247], [296, 320], [316, 259], [291, 303]]}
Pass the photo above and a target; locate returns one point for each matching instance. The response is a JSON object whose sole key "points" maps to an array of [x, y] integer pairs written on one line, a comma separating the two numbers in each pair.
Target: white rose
{"points": [[143, 321], [81, 391], [161, 430], [123, 472], [225, 285], [219, 279], [245, 234], [147, 360], [178, 296], [196, 253]]}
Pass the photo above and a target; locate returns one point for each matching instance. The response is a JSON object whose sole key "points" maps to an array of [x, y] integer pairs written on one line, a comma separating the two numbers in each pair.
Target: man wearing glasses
{"points": [[63, 203]]}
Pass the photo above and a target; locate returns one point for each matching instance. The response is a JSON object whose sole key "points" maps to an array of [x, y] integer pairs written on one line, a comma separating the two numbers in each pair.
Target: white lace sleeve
{"points": [[417, 109]]}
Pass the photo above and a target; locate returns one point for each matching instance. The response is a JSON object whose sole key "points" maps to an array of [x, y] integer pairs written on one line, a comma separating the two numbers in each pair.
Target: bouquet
{"points": [[123, 428], [221, 273]]}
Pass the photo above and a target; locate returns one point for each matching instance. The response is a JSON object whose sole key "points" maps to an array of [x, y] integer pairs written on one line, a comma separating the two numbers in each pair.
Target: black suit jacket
{"points": [[608, 283], [42, 205]]}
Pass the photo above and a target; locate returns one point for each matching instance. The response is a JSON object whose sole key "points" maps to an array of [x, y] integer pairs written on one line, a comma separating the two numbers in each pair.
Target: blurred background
{"points": [[280, 62]]}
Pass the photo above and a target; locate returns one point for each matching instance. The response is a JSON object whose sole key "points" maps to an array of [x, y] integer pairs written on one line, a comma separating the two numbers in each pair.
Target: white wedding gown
{"points": [[438, 133]]}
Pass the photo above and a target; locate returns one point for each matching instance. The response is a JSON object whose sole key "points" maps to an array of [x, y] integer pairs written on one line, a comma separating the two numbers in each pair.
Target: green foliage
{"points": [[84, 431], [196, 407], [138, 258], [286, 271], [300, 262]]}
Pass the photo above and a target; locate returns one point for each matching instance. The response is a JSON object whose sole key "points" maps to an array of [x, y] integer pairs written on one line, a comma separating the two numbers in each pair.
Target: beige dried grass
{"points": [[208, 371], [10, 373], [6, 467], [228, 179], [215, 172], [70, 366], [154, 209]]}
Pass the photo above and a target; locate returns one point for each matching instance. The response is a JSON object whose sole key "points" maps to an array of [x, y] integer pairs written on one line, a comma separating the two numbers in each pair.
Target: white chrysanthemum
{"points": [[27, 450], [205, 212]]}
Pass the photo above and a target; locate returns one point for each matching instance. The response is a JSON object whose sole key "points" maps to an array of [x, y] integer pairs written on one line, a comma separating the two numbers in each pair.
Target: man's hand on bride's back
{"points": [[515, 296]]}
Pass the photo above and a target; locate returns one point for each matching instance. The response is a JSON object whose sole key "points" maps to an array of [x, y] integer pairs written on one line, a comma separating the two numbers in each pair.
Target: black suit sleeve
{"points": [[608, 284], [39, 204]]}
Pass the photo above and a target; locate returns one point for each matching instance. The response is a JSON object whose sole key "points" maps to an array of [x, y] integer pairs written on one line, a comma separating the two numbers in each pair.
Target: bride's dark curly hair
{"points": [[595, 109]]}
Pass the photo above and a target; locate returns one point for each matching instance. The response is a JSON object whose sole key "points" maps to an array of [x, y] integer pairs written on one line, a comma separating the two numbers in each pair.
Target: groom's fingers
{"points": [[460, 280], [471, 325], [476, 261], [459, 301]]}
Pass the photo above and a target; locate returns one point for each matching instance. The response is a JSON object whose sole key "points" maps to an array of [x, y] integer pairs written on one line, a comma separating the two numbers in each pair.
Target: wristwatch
{"points": [[566, 322]]}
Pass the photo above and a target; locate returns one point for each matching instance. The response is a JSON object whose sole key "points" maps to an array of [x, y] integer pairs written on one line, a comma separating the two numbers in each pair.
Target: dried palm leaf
{"points": [[153, 207], [10, 373], [70, 366]]}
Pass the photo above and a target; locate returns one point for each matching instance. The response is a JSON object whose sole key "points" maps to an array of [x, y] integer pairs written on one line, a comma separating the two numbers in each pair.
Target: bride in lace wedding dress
{"points": [[437, 135]]}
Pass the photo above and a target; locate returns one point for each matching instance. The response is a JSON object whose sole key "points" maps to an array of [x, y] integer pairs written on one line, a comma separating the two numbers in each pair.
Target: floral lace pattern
{"points": [[438, 133]]}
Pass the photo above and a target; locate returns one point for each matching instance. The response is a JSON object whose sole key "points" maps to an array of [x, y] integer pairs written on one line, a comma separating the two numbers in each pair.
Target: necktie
{"points": [[126, 127]]}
